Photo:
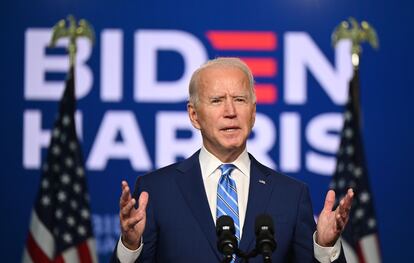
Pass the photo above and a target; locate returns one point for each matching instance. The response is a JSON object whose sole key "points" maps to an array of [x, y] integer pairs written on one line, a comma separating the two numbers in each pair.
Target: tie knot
{"points": [[227, 168]]}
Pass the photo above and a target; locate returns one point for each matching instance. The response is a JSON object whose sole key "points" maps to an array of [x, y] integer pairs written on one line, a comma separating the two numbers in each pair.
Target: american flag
{"points": [[60, 227], [360, 238]]}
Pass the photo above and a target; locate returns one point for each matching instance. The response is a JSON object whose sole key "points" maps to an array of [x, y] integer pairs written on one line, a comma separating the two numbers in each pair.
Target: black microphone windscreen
{"points": [[264, 222], [225, 223]]}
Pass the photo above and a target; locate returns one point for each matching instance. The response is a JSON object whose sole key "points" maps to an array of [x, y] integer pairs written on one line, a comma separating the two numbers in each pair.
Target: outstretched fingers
{"points": [[343, 210], [125, 195], [348, 199], [134, 216], [329, 201], [132, 219], [126, 207], [142, 202], [126, 210]]}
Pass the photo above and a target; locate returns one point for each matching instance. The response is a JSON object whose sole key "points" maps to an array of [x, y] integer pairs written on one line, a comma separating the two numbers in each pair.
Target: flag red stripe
{"points": [[59, 259], [262, 67], [35, 252], [242, 40], [266, 93], [360, 254], [84, 253]]}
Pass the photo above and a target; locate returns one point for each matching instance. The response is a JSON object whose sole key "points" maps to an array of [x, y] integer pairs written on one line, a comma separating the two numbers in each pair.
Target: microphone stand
{"points": [[245, 256]]}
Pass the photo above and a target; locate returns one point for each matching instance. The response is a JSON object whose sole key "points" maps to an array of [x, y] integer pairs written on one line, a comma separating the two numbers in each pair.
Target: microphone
{"points": [[265, 242], [227, 241]]}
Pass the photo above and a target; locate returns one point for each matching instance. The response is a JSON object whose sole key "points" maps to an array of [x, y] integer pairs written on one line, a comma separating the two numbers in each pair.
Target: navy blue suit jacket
{"points": [[180, 227]]}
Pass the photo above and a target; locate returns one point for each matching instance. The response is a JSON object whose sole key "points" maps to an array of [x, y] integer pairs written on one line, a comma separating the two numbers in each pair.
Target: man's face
{"points": [[225, 111]]}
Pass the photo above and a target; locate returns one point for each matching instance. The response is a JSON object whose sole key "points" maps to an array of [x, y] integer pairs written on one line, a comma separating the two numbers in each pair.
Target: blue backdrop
{"points": [[145, 49]]}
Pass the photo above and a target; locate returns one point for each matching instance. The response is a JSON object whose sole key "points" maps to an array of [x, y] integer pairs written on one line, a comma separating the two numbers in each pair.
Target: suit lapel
{"points": [[260, 190], [192, 188]]}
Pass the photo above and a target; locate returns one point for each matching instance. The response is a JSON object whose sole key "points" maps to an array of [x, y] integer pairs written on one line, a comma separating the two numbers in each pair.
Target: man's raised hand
{"points": [[132, 220], [332, 223]]}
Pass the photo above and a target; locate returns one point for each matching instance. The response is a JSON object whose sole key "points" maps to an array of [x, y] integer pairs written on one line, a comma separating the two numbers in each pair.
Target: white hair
{"points": [[231, 62]]}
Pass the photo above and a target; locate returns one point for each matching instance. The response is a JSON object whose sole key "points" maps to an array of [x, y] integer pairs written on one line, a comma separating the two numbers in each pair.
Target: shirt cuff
{"points": [[326, 254], [126, 255]]}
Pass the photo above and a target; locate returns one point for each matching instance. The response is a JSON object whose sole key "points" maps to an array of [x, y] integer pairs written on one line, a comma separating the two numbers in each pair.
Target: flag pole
{"points": [[60, 229], [360, 238]]}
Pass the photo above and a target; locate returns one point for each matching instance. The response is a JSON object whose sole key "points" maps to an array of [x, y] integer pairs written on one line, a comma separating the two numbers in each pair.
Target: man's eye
{"points": [[240, 100], [215, 101]]}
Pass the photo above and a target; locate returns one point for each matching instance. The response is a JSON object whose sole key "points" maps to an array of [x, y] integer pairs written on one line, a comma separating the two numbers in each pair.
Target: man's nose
{"points": [[229, 110]]}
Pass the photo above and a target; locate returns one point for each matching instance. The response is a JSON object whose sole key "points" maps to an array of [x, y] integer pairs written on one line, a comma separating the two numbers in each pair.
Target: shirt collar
{"points": [[209, 163]]}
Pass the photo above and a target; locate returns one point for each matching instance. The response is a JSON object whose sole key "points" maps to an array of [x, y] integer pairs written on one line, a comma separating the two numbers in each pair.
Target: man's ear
{"points": [[254, 115], [192, 114]]}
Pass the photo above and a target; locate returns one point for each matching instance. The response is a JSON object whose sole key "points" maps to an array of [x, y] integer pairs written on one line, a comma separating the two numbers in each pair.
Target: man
{"points": [[179, 204]]}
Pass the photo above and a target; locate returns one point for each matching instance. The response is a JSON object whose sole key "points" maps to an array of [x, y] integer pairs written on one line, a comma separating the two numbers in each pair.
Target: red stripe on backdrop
{"points": [[59, 259], [360, 254], [262, 67], [266, 93], [35, 252], [84, 253], [242, 40]]}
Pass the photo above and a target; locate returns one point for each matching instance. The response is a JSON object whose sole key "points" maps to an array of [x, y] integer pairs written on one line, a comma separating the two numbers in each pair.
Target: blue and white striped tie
{"points": [[227, 196]]}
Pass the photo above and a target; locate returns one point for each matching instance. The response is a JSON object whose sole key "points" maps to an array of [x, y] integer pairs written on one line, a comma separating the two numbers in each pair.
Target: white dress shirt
{"points": [[210, 173]]}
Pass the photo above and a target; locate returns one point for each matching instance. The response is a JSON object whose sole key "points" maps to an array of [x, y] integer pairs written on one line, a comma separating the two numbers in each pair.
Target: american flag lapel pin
{"points": [[262, 181]]}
